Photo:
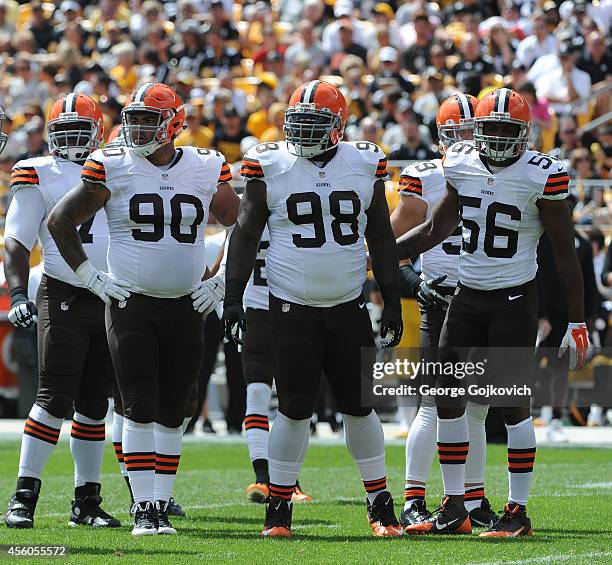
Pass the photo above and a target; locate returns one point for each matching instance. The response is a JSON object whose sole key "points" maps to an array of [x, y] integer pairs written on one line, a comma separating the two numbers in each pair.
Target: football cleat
{"points": [[20, 513], [278, 519], [415, 513], [174, 508], [447, 519], [483, 516], [258, 492], [145, 519], [381, 516], [512, 524], [163, 523], [299, 495], [86, 511]]}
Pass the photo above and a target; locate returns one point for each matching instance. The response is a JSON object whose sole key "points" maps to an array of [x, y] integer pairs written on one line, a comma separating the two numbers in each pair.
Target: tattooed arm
{"points": [[75, 208]]}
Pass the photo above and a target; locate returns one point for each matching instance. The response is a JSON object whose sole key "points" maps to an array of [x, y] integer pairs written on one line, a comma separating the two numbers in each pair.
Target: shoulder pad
{"points": [[213, 159], [368, 157], [266, 160], [25, 173], [412, 176]]}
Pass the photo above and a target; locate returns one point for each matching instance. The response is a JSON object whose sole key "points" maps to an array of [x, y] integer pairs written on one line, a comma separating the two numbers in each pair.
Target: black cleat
{"points": [[174, 508], [86, 509], [483, 516], [22, 505], [450, 518], [512, 524], [417, 512], [163, 523], [278, 519], [145, 519], [381, 516]]}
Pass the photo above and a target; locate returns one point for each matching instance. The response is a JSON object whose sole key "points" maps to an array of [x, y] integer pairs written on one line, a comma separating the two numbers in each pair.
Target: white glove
{"points": [[23, 314], [103, 284], [577, 339], [209, 294]]}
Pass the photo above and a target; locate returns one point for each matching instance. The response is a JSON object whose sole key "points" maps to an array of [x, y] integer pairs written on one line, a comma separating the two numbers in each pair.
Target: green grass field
{"points": [[571, 510]]}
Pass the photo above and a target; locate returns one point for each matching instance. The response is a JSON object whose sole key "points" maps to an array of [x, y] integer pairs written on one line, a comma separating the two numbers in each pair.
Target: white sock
{"points": [[40, 436], [477, 458], [406, 415], [420, 451], [168, 443], [256, 419], [521, 457], [117, 433], [365, 440], [286, 451], [87, 439], [139, 455], [453, 445]]}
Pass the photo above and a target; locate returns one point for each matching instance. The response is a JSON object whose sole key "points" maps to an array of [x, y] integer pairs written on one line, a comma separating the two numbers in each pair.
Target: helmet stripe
{"points": [[309, 91], [464, 106], [502, 100], [69, 103], [142, 92]]}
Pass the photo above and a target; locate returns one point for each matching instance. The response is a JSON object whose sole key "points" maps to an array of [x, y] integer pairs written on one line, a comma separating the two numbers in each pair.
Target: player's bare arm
{"points": [[383, 254], [16, 264], [557, 222], [442, 223], [409, 213], [78, 206], [225, 204]]}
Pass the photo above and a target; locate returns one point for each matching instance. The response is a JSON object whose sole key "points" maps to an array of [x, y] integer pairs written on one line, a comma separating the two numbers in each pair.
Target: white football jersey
{"points": [[501, 220], [256, 293], [52, 177], [425, 181], [157, 217], [317, 220]]}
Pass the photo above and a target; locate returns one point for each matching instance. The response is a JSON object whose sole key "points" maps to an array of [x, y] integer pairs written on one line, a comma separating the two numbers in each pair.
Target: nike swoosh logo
{"points": [[514, 297], [362, 305], [444, 526]]}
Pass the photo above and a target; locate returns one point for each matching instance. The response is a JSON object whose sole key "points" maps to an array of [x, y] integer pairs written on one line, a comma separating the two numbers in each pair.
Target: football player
{"points": [[321, 200], [422, 185], [157, 199], [257, 369], [505, 195], [73, 357]]}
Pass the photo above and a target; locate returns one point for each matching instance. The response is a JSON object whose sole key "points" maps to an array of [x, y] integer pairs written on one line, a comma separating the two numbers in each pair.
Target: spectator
{"points": [[369, 131], [43, 31], [35, 142], [258, 121], [217, 57], [221, 21], [518, 75], [6, 26], [363, 32], [195, 134], [564, 84], [541, 114], [540, 43], [307, 46], [347, 46], [190, 50], [500, 49], [413, 148], [276, 116], [598, 243], [471, 71], [597, 61], [568, 134], [437, 54], [431, 94], [389, 69], [124, 72], [602, 152], [227, 138], [384, 18], [23, 88], [417, 57]]}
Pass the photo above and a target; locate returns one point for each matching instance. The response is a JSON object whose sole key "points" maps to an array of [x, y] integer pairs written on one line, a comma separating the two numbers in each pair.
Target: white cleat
{"points": [[145, 519]]}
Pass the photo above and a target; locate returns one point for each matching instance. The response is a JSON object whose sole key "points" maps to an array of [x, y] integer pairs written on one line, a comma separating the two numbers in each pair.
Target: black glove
{"points": [[409, 281], [234, 323], [23, 312], [428, 296], [391, 327]]}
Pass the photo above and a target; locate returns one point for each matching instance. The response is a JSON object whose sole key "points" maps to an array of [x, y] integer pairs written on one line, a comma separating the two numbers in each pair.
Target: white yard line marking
{"points": [[552, 558]]}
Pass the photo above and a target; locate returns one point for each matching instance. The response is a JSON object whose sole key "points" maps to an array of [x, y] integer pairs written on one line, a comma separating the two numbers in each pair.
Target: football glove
{"points": [[208, 295], [428, 296], [391, 327], [103, 284], [577, 339], [234, 323], [23, 312]]}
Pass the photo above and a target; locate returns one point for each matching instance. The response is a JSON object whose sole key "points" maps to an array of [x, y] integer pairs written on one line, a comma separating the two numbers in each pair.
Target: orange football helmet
{"points": [[455, 119], [146, 134], [75, 127], [502, 106], [315, 119]]}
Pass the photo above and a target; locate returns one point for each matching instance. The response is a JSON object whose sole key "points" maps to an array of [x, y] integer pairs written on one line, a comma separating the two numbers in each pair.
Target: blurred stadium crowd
{"points": [[235, 63]]}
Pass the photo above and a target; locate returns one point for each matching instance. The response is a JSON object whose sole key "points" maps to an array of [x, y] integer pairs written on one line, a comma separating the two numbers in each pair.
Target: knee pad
{"points": [[59, 405], [143, 411], [515, 415], [171, 415], [297, 408], [94, 408]]}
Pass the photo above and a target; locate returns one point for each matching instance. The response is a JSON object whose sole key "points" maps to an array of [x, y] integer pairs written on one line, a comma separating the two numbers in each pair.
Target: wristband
{"points": [[18, 295], [410, 281]]}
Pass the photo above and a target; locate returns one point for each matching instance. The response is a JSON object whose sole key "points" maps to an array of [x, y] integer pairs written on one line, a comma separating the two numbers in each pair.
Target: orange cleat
{"points": [[258, 492], [299, 495], [278, 519], [381, 516], [514, 523], [448, 519]]}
